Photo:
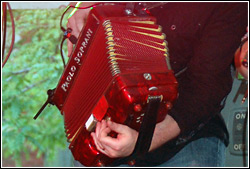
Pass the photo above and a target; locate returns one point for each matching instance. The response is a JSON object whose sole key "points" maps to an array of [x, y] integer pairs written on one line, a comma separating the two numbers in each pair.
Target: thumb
{"points": [[118, 128]]}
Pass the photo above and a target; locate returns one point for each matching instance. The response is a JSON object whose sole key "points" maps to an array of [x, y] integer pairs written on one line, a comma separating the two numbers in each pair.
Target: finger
{"points": [[104, 130], [73, 25], [97, 143], [97, 129], [103, 148], [103, 125], [108, 151], [107, 141], [79, 25], [76, 20], [118, 128], [70, 47], [69, 44], [104, 133], [81, 18]]}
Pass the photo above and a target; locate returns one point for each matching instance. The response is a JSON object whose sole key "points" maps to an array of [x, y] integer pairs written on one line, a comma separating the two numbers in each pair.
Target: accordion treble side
{"points": [[117, 63]]}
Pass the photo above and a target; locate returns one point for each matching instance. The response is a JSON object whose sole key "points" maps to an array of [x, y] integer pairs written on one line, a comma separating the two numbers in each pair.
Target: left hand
{"points": [[121, 146], [77, 21]]}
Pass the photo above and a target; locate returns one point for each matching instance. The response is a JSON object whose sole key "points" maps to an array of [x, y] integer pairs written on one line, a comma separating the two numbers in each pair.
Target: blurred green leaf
{"points": [[34, 66]]}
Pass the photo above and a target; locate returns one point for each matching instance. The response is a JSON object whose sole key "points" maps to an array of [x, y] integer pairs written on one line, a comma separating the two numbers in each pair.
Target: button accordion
{"points": [[118, 62]]}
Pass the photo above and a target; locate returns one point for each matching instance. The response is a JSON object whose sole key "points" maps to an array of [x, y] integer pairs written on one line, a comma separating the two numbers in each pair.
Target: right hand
{"points": [[120, 146], [77, 21]]}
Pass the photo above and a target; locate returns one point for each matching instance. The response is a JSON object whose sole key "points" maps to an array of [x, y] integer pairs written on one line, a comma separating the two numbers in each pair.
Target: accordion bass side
{"points": [[117, 63]]}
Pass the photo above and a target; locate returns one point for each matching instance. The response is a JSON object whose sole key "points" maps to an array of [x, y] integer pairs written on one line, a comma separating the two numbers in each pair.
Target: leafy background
{"points": [[34, 66]]}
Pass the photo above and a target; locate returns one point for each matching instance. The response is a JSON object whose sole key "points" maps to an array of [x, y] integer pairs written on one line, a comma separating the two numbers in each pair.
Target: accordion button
{"points": [[173, 27], [137, 108], [147, 76]]}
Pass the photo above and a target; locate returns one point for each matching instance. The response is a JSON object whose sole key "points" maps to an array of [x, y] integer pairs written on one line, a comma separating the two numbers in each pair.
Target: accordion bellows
{"points": [[117, 63]]}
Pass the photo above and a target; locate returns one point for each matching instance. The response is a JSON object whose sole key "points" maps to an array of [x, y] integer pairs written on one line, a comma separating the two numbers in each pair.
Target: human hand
{"points": [[121, 146], [77, 21]]}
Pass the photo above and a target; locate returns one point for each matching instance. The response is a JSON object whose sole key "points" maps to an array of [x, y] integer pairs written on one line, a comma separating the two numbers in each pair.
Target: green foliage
{"points": [[34, 66]]}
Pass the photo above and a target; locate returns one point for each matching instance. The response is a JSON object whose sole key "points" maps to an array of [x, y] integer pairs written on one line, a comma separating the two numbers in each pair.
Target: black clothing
{"points": [[202, 39]]}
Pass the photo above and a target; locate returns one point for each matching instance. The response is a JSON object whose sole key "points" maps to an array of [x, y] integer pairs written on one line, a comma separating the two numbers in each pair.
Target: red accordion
{"points": [[117, 63]]}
